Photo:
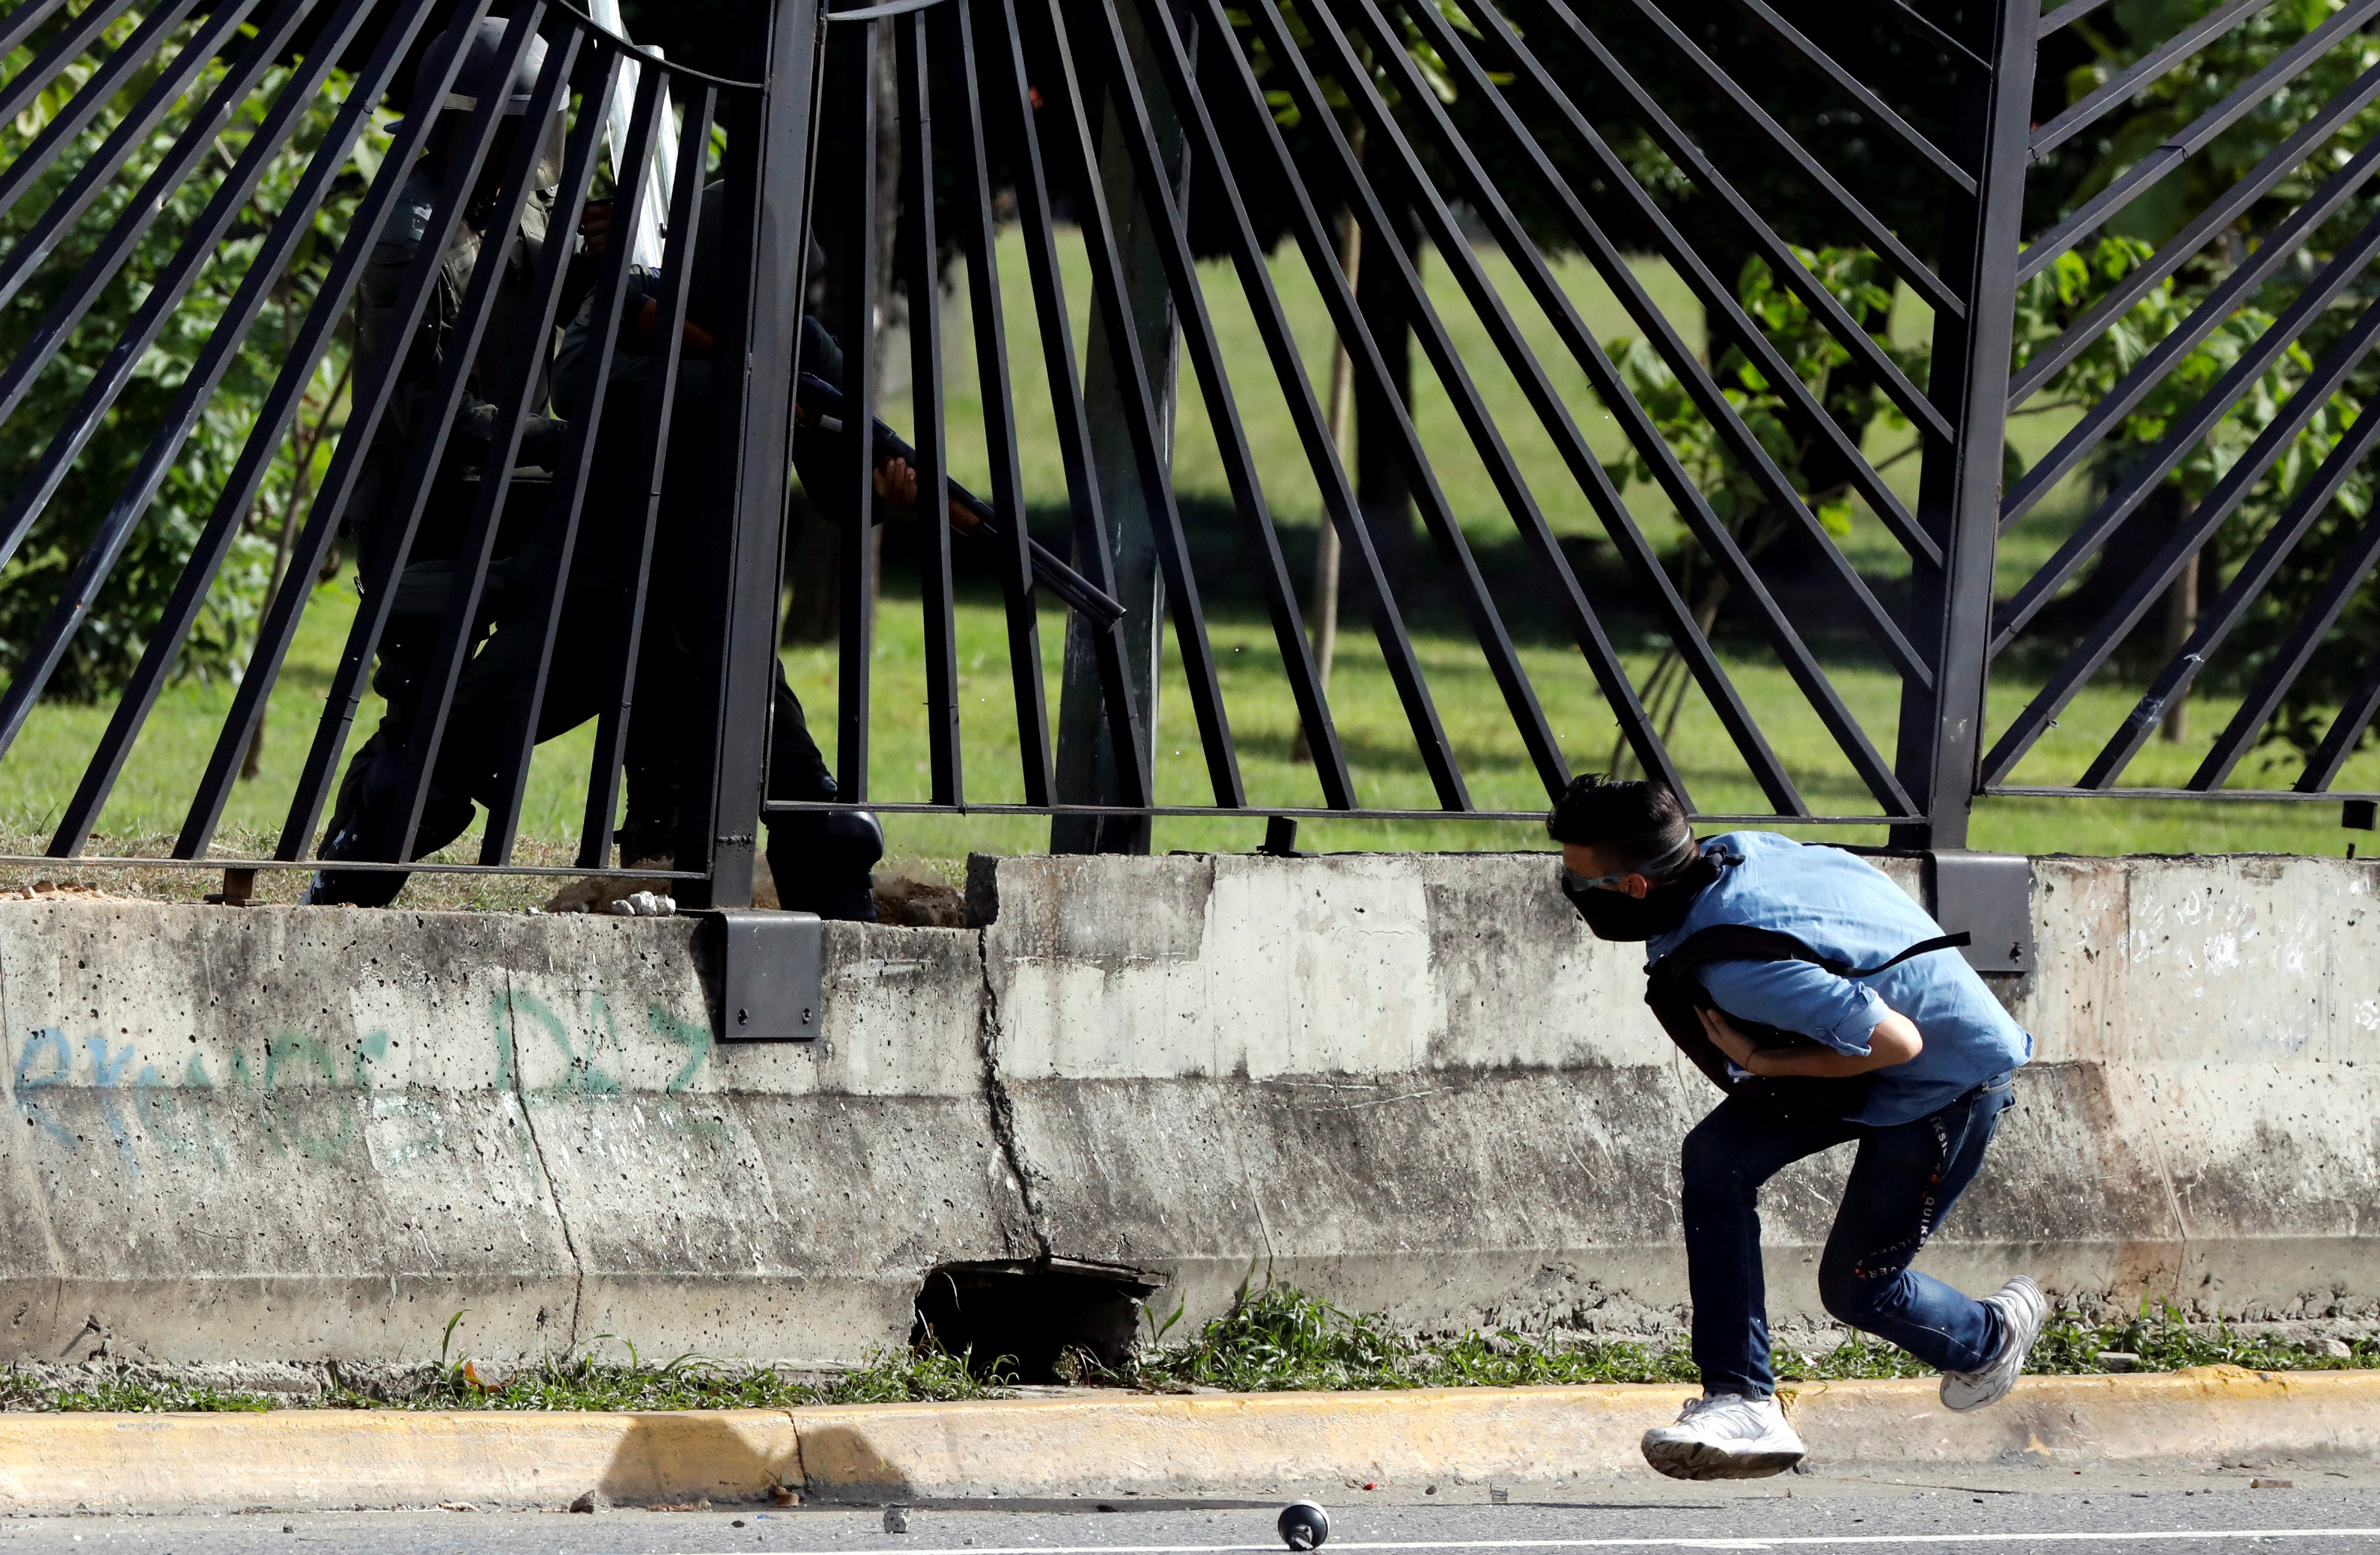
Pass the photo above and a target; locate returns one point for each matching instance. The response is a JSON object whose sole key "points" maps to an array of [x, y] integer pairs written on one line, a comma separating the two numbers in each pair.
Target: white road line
{"points": [[1774, 1542]]}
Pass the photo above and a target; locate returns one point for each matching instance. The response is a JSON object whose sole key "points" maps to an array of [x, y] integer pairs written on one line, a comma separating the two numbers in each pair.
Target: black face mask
{"points": [[1615, 914]]}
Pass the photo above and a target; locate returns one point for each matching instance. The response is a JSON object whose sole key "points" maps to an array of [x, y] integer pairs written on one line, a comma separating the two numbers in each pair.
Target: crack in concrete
{"points": [[998, 1105], [553, 1189]]}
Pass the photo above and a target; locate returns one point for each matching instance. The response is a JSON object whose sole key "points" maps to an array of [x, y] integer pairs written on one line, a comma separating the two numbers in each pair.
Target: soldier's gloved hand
{"points": [[542, 440]]}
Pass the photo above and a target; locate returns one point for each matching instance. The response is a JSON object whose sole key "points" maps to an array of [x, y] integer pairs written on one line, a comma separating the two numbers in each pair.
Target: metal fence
{"points": [[1130, 141]]}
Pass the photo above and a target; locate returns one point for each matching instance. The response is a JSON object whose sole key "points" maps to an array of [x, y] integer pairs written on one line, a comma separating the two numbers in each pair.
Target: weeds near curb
{"points": [[1277, 1339], [127, 1396], [1273, 1339]]}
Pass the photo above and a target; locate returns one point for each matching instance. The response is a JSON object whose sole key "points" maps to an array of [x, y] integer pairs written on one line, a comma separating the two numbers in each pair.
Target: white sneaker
{"points": [[1725, 1437], [2022, 1310]]}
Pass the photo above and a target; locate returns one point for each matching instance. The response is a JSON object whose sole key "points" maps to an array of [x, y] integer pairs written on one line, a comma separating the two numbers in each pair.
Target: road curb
{"points": [[1119, 1443], [1458, 1435], [305, 1460]]}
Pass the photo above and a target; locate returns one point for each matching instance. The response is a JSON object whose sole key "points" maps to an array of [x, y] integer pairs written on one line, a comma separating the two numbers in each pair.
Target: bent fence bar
{"points": [[598, 535]]}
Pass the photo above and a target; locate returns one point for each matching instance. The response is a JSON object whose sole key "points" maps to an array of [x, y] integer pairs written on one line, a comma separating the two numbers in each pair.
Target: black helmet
{"points": [[481, 52]]}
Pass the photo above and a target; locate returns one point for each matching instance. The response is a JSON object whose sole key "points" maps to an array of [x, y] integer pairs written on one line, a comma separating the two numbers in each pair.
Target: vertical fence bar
{"points": [[1959, 493], [653, 421], [1010, 72], [971, 207], [919, 277], [854, 77], [1135, 340], [522, 389], [768, 170]]}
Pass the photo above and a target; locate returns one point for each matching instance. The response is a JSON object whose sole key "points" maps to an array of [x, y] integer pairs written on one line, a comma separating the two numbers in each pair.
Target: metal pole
{"points": [[1958, 498], [1085, 758], [768, 179]]}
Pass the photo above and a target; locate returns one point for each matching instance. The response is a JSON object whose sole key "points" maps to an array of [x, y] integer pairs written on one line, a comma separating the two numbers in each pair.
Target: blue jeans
{"points": [[1901, 1188]]}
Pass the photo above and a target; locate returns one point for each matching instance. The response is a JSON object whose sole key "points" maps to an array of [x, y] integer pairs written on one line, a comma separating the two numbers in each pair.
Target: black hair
{"points": [[1638, 821]]}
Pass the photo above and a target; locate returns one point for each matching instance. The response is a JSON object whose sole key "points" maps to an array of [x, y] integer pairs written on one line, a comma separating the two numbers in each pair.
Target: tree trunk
{"points": [[1383, 486]]}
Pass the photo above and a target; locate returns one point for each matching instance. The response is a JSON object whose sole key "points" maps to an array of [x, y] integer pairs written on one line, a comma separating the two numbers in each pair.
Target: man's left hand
{"points": [[1728, 1040]]}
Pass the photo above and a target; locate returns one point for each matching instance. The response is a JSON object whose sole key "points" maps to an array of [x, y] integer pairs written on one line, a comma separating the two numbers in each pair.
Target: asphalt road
{"points": [[2323, 1510]]}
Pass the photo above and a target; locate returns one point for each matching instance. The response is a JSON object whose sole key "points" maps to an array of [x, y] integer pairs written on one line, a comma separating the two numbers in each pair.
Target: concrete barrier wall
{"points": [[1409, 1082]]}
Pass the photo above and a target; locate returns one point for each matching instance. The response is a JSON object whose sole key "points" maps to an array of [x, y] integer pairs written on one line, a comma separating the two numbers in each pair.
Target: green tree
{"points": [[128, 608]]}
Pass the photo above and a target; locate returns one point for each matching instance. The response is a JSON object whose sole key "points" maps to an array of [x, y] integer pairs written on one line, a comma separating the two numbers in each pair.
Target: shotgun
{"points": [[970, 515]]}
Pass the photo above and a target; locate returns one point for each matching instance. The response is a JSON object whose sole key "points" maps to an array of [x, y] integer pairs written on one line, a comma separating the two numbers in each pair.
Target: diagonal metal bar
{"points": [[652, 420], [2187, 428], [1059, 360], [2345, 732], [1111, 294], [26, 19], [971, 204], [1914, 271], [2225, 208], [1680, 487], [173, 282], [917, 267], [1875, 110], [2171, 152], [523, 374], [2069, 14], [1570, 600], [1205, 350], [1481, 193], [72, 42], [288, 391], [196, 139], [94, 94], [2233, 291], [1644, 562], [1718, 298], [2121, 87], [566, 508], [1911, 18], [43, 656], [1790, 271], [2146, 587], [2246, 586], [373, 392], [379, 574], [2289, 662], [1249, 260], [1437, 514]]}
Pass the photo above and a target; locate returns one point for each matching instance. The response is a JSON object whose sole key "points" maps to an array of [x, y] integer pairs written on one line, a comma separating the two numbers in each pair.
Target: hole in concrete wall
{"points": [[1034, 1312]]}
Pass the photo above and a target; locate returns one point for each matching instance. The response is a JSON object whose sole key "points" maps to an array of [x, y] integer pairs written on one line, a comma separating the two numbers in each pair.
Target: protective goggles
{"points": [[1652, 868]]}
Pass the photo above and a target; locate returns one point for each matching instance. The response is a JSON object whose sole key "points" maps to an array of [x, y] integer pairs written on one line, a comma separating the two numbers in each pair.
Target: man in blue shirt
{"points": [[1913, 1062]]}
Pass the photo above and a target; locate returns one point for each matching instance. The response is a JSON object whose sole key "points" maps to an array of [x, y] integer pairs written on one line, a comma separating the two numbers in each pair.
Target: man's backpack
{"points": [[1673, 988]]}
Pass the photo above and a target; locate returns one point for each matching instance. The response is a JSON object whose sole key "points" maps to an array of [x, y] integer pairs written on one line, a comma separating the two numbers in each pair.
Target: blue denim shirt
{"points": [[1837, 904]]}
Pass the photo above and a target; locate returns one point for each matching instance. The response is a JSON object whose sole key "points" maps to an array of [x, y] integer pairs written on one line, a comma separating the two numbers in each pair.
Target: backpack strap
{"points": [[1742, 941], [1673, 991], [1923, 947]]}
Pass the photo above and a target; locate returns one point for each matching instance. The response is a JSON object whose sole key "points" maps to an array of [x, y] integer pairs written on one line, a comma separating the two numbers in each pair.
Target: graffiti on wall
{"points": [[316, 1100]]}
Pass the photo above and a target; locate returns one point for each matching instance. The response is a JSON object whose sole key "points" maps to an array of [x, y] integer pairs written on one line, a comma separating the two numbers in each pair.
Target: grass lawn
{"points": [[40, 771]]}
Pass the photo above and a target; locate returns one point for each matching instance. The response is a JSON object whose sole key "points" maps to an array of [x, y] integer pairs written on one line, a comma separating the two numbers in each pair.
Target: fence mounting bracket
{"points": [[769, 975], [1990, 896]]}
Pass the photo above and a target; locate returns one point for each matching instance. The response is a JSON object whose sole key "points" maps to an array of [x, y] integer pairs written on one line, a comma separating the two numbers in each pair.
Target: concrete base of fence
{"points": [[1113, 1444], [1408, 1083]]}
